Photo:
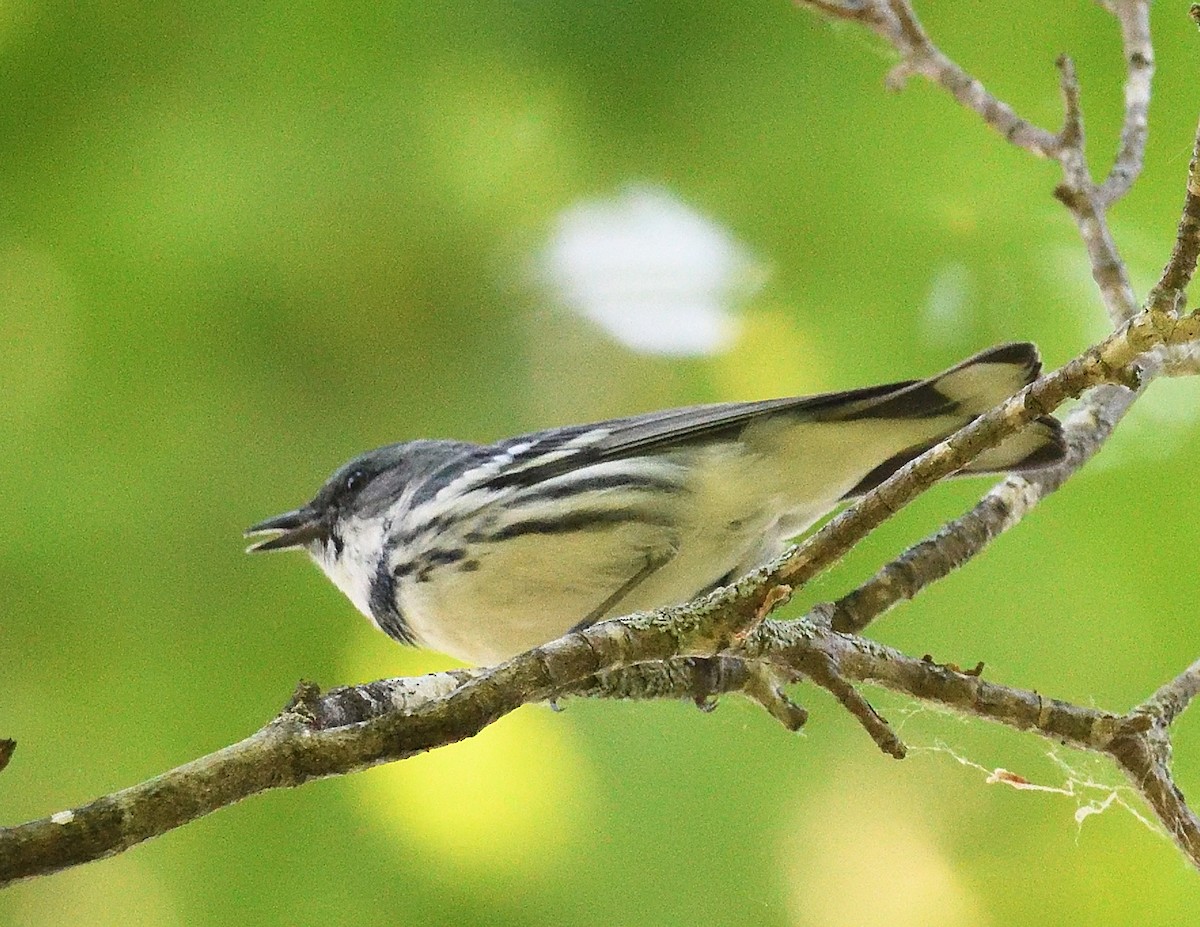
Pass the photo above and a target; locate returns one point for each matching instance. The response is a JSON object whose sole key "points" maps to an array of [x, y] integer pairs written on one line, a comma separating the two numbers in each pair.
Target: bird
{"points": [[484, 551]]}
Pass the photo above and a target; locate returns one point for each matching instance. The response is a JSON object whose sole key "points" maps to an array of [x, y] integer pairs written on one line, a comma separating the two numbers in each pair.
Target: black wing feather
{"points": [[672, 428]]}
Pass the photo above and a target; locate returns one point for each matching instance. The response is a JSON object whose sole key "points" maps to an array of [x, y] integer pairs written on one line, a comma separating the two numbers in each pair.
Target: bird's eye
{"points": [[354, 480]]}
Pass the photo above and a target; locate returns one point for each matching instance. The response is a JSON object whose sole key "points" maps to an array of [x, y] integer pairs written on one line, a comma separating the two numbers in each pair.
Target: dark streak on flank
{"points": [[440, 557], [421, 568], [436, 558]]}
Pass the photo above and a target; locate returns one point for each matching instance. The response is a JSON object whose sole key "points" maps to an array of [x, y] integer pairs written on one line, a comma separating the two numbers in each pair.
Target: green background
{"points": [[241, 244]]}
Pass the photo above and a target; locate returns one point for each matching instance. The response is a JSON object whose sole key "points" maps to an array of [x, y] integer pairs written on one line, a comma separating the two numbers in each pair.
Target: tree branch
{"points": [[1134, 19], [1171, 289]]}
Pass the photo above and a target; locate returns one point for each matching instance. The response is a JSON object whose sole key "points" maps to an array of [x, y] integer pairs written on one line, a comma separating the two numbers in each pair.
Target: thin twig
{"points": [[895, 22], [765, 685], [1145, 761], [1108, 269], [1142, 748], [1071, 135], [824, 672], [1170, 291], [1172, 698], [1079, 193], [1134, 19]]}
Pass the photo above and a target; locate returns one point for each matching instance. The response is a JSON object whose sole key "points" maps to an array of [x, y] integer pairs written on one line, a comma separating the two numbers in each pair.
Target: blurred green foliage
{"points": [[240, 244]]}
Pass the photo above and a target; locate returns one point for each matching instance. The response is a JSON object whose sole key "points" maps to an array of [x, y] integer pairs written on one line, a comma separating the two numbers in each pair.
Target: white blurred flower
{"points": [[655, 274], [946, 314]]}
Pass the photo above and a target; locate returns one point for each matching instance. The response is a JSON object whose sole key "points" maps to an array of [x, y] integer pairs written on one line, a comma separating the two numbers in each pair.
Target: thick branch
{"points": [[352, 728], [696, 678]]}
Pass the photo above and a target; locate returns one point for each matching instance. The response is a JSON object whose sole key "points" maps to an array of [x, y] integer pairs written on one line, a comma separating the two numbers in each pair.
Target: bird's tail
{"points": [[964, 392]]}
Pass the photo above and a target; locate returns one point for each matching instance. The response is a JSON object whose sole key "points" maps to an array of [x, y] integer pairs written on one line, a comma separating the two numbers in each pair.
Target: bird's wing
{"points": [[549, 454]]}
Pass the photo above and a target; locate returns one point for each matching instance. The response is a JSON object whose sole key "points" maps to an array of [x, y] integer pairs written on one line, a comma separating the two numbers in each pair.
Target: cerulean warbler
{"points": [[485, 551]]}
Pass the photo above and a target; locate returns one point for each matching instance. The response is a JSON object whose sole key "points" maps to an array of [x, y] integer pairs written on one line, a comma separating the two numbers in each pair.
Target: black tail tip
{"points": [[1051, 451], [1022, 354]]}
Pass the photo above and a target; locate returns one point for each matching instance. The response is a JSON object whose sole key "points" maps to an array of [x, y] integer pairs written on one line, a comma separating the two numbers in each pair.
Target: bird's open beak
{"points": [[291, 529]]}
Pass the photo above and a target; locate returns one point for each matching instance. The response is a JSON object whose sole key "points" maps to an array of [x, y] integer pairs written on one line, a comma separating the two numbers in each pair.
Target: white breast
{"points": [[354, 570]]}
